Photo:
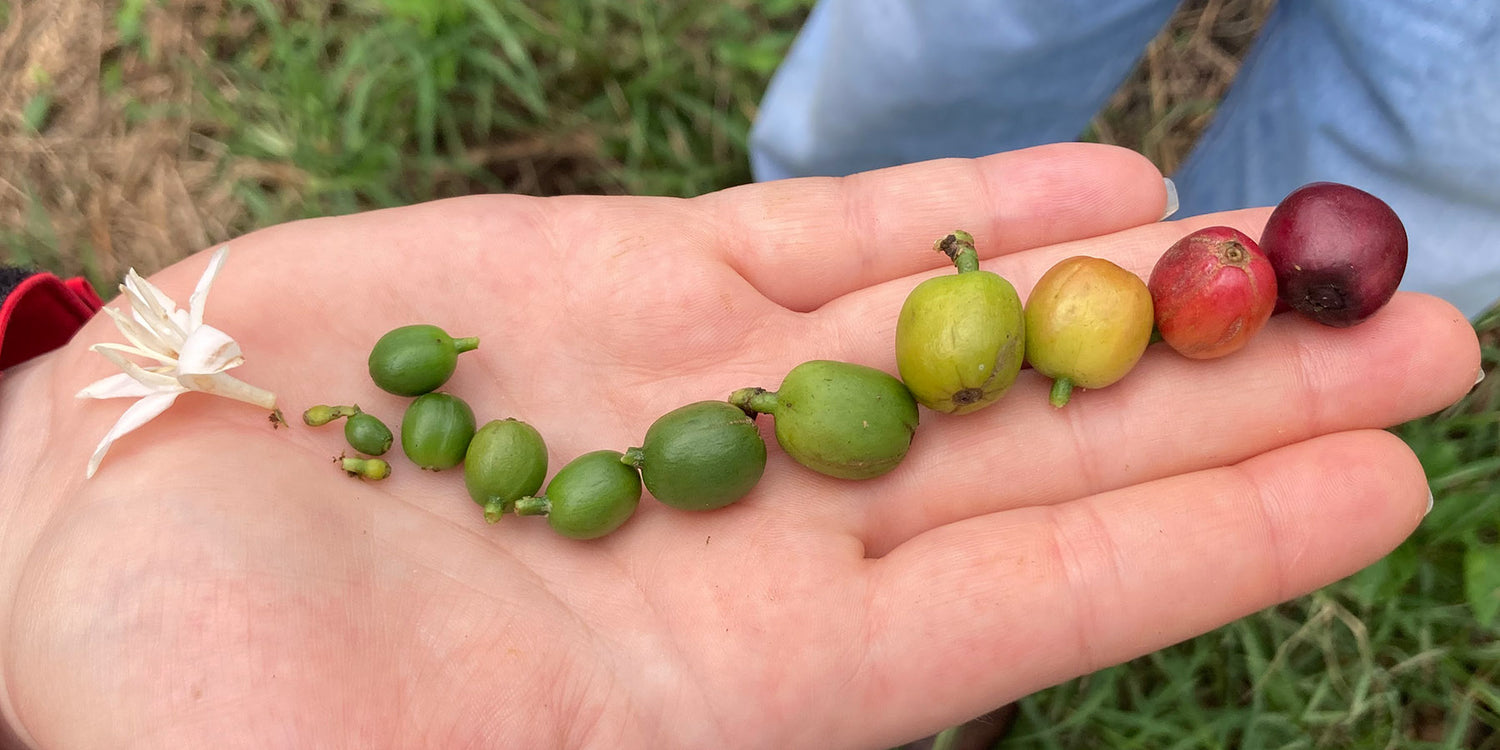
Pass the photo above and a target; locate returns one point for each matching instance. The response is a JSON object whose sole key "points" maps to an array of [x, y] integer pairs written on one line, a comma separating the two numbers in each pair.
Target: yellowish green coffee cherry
{"points": [[960, 338]]}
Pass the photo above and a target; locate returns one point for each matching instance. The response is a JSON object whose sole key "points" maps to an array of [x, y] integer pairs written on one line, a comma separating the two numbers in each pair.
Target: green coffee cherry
{"points": [[367, 434], [436, 430], [416, 359], [841, 419], [701, 456], [591, 496], [506, 460]]}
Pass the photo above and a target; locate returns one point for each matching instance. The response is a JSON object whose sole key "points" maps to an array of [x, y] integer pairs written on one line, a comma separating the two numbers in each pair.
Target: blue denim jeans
{"points": [[1398, 97]]}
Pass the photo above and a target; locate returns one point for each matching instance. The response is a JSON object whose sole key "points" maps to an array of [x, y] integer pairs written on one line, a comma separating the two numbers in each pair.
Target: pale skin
{"points": [[221, 583]]}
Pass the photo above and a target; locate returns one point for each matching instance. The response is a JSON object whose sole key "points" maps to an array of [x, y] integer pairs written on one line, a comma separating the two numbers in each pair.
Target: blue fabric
{"points": [[1398, 97]]}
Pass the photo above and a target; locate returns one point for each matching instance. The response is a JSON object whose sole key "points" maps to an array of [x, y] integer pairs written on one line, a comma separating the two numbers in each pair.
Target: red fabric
{"points": [[42, 314]]}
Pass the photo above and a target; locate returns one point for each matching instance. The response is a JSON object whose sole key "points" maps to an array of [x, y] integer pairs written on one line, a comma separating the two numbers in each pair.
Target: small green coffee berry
{"points": [[367, 434]]}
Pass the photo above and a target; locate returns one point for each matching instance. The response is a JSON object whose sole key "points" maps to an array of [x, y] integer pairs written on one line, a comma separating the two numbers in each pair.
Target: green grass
{"points": [[314, 109], [385, 103]]}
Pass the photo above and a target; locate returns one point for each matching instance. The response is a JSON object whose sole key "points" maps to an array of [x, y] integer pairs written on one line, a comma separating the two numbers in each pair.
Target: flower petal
{"points": [[143, 338], [146, 377], [127, 349], [199, 299], [145, 297], [139, 413], [119, 385], [153, 309], [207, 351]]}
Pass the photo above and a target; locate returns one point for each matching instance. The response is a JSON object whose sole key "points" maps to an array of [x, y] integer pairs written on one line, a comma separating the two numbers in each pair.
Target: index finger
{"points": [[806, 241]]}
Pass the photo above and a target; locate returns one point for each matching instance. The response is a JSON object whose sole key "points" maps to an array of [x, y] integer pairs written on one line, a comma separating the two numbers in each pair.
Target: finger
{"points": [[982, 612], [806, 241], [1172, 415]]}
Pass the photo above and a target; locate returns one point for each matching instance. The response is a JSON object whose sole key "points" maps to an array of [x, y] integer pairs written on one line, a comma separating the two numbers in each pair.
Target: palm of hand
{"points": [[221, 573]]}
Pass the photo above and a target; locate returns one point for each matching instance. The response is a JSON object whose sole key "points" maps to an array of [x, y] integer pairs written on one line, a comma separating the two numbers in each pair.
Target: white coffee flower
{"points": [[190, 356]]}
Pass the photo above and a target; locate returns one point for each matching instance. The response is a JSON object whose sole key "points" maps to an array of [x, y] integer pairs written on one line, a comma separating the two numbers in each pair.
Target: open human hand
{"points": [[221, 583]]}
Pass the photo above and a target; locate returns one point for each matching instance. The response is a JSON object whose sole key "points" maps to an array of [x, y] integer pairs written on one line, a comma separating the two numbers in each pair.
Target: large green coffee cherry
{"points": [[591, 496], [701, 456], [416, 359], [506, 460], [841, 419], [436, 430], [960, 339], [1088, 322]]}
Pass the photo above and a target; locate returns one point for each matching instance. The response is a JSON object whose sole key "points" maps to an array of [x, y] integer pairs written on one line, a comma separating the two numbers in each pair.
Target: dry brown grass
{"points": [[106, 185], [109, 189], [1172, 94]]}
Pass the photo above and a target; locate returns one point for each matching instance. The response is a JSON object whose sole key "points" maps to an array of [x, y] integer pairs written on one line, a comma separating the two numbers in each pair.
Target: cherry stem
{"points": [[754, 400], [533, 506], [633, 457], [495, 509], [959, 247], [1062, 390]]}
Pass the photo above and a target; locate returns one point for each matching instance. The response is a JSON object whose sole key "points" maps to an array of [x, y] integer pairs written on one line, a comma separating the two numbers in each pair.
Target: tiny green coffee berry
{"points": [[322, 414], [366, 468], [365, 432]]}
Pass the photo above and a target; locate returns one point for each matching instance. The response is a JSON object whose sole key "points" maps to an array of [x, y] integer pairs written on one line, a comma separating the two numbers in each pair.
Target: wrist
{"points": [[26, 409], [39, 312]]}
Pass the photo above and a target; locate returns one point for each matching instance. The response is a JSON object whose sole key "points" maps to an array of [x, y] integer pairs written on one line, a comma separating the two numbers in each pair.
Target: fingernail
{"points": [[1429, 503], [1171, 198], [1480, 377]]}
